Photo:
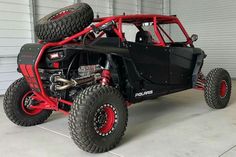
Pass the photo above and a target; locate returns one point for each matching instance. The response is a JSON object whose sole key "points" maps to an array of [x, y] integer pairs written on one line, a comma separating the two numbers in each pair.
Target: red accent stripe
{"points": [[23, 70], [27, 71], [36, 86], [26, 75], [29, 68], [31, 75]]}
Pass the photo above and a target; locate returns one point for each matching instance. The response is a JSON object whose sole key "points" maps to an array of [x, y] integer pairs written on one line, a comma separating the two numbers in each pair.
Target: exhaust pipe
{"points": [[56, 79]]}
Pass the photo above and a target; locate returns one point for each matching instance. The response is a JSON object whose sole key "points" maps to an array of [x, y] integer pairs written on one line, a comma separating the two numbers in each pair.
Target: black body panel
{"points": [[26, 60], [152, 62], [29, 53], [141, 71], [155, 71], [200, 56], [111, 45], [181, 65]]}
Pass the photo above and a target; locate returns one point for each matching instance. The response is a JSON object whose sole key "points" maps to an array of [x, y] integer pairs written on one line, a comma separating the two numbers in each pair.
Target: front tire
{"points": [[14, 105], [218, 88], [98, 119]]}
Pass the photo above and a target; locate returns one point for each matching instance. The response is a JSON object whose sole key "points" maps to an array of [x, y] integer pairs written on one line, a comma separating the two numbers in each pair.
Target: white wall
{"points": [[118, 7], [101, 7], [152, 6], [15, 30], [44, 7], [121, 6], [214, 21]]}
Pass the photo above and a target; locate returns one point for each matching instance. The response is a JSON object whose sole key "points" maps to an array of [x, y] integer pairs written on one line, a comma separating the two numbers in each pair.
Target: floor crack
{"points": [[227, 151]]}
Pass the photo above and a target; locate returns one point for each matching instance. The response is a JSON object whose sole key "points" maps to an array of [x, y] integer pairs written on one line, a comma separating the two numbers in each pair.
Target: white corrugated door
{"points": [[45, 7], [152, 6], [101, 8], [15, 30], [214, 21], [124, 6]]}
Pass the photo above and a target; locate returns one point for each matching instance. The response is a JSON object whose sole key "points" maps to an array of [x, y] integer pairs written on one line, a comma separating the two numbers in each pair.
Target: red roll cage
{"points": [[52, 103], [155, 18]]}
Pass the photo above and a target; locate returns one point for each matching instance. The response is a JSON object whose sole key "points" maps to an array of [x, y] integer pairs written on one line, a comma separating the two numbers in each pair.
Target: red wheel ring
{"points": [[29, 111], [60, 14], [223, 88], [105, 120]]}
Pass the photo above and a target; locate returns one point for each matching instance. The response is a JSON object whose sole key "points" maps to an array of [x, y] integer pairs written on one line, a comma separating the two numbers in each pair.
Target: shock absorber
{"points": [[106, 74]]}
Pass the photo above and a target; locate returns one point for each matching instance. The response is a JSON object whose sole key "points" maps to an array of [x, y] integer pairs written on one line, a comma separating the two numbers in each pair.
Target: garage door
{"points": [[214, 21], [45, 7], [118, 7], [15, 30]]}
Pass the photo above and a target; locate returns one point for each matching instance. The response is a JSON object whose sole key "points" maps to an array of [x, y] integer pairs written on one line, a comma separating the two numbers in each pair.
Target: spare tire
{"points": [[64, 22]]}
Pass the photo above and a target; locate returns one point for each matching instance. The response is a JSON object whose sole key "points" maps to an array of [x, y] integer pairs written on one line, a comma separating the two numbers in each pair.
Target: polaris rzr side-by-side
{"points": [[86, 68]]}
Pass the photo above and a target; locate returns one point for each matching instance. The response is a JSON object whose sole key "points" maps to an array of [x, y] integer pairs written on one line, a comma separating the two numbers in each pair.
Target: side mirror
{"points": [[194, 37]]}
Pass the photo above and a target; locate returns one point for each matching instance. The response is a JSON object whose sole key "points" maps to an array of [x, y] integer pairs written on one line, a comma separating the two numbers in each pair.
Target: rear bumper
{"points": [[27, 61]]}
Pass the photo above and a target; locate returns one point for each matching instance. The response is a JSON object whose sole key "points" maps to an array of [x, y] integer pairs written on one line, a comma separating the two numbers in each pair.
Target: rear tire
{"points": [[218, 88], [64, 22], [12, 103], [98, 119]]}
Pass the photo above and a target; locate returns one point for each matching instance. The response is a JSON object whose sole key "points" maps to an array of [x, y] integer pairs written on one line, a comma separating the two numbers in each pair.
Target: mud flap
{"points": [[26, 61]]}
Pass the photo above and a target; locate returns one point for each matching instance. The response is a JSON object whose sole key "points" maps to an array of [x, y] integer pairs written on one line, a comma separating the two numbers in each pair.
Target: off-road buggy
{"points": [[92, 73]]}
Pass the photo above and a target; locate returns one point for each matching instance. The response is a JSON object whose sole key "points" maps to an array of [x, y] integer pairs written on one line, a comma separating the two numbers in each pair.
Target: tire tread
{"points": [[211, 89], [80, 112], [10, 106]]}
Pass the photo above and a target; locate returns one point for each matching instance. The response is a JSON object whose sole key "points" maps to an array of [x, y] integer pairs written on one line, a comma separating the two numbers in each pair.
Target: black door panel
{"points": [[164, 65], [181, 65], [151, 61]]}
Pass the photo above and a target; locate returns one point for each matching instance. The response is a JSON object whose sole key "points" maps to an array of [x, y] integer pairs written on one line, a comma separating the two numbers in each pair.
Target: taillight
{"points": [[56, 65]]}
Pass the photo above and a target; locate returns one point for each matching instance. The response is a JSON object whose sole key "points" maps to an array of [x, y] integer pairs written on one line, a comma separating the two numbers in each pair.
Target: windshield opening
{"points": [[172, 33], [148, 26]]}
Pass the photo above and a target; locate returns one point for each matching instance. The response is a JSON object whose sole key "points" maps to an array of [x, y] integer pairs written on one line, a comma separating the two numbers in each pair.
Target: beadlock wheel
{"points": [[217, 88], [223, 88], [98, 119], [105, 120]]}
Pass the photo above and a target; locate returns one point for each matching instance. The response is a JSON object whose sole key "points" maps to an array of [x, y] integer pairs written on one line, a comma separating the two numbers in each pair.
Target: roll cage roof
{"points": [[134, 19], [142, 18]]}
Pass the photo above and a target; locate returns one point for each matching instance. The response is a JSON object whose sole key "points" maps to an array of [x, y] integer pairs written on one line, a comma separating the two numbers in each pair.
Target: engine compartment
{"points": [[65, 71]]}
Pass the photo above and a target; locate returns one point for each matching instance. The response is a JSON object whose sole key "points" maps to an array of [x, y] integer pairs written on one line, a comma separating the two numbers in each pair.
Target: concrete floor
{"points": [[178, 125]]}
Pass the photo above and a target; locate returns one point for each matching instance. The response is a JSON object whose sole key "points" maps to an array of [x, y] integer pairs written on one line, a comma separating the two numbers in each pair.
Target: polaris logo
{"points": [[144, 93]]}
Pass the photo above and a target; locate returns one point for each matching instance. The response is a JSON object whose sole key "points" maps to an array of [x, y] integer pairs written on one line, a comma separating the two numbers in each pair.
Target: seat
{"points": [[143, 37]]}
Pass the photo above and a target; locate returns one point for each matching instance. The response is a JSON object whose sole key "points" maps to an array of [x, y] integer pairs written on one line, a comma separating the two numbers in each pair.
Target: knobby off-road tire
{"points": [[17, 94], [218, 88], [64, 22], [88, 132]]}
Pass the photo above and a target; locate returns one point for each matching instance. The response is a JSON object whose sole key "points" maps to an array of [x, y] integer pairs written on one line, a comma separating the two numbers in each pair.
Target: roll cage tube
{"points": [[189, 41], [157, 30], [158, 34], [51, 102], [119, 30], [165, 33]]}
